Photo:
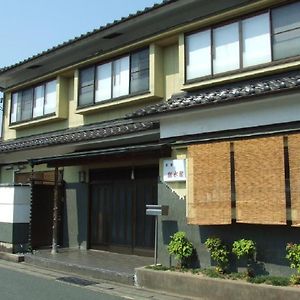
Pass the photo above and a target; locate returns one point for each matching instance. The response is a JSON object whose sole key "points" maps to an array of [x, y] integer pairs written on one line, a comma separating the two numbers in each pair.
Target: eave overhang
{"points": [[135, 28]]}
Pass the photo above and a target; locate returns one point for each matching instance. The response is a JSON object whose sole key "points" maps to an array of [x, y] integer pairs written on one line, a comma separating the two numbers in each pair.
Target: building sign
{"points": [[174, 170]]}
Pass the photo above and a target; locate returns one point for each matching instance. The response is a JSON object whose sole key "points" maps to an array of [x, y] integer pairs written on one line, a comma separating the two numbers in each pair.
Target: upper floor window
{"points": [[244, 43], [120, 77], [33, 102]]}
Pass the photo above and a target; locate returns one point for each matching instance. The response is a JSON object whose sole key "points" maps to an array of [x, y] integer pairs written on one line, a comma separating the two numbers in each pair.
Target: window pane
{"points": [[139, 78], [15, 115], [140, 61], [226, 48], [198, 55], [50, 101], [38, 103], [121, 77], [286, 44], [86, 86], [103, 82], [256, 31], [286, 18], [27, 101], [139, 81], [87, 77]]}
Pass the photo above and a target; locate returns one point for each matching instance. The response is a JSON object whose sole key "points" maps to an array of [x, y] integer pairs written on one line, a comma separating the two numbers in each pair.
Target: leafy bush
{"points": [[272, 280], [218, 252], [180, 247], [244, 248], [295, 279], [293, 256]]}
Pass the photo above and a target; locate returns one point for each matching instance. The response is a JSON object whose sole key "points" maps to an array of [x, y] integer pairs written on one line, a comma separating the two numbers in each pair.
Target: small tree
{"points": [[181, 247], [247, 249], [219, 253], [293, 256]]}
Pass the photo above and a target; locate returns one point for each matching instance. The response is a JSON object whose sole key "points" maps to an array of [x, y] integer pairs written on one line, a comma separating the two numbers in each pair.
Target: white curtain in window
{"points": [[103, 82], [38, 103], [256, 40], [226, 48], [14, 108], [121, 77], [50, 101], [198, 55]]}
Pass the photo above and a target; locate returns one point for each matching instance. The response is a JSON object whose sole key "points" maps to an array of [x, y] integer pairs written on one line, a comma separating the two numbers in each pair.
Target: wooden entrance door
{"points": [[118, 219], [42, 216]]}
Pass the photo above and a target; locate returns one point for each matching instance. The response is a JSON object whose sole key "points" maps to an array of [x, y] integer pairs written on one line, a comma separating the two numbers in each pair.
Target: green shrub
{"points": [[219, 253], [181, 248], [212, 273], [272, 280], [244, 248], [293, 256], [295, 279]]}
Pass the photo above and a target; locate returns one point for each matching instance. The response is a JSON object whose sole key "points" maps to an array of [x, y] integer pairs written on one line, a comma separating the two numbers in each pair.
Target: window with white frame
{"points": [[33, 102], [124, 76], [248, 42]]}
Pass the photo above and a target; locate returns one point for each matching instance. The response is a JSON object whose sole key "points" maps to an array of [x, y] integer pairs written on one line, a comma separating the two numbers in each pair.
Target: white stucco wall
{"points": [[14, 204], [272, 110]]}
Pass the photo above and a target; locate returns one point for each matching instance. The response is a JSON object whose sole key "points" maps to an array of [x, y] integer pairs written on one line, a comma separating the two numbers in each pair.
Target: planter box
{"points": [[203, 287]]}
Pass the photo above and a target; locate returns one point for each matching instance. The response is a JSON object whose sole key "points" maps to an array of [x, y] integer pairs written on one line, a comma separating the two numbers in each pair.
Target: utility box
{"points": [[157, 210]]}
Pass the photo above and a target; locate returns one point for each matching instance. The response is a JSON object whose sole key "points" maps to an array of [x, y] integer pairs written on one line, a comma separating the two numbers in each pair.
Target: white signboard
{"points": [[174, 170]]}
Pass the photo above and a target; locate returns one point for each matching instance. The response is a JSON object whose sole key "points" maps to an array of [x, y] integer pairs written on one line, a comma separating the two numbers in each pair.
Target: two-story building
{"points": [[190, 104]]}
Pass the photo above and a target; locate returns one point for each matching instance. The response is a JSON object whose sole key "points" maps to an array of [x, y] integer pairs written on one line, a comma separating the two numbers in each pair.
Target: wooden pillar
{"points": [[55, 213]]}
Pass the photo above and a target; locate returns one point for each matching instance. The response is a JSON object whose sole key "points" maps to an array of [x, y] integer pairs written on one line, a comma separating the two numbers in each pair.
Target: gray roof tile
{"points": [[79, 134], [223, 94]]}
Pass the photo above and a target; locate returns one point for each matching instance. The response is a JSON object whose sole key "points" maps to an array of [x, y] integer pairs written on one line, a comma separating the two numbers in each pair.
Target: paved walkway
{"points": [[97, 264]]}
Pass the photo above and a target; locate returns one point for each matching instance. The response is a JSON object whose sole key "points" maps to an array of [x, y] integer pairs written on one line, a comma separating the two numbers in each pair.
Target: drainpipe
{"points": [[55, 213]]}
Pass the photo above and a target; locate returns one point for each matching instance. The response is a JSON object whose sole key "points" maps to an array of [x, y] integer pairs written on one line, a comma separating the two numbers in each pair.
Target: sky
{"points": [[32, 26]]}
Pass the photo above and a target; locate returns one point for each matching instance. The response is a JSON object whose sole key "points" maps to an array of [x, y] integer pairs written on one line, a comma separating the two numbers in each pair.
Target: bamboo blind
{"points": [[294, 162], [209, 200], [260, 181]]}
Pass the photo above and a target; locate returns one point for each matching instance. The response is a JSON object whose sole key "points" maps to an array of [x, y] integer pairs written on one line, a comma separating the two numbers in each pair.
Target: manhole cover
{"points": [[76, 280]]}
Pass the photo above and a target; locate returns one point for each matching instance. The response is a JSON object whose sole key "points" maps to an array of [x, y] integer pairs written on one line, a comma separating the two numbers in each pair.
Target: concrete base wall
{"points": [[75, 232], [207, 288], [271, 240]]}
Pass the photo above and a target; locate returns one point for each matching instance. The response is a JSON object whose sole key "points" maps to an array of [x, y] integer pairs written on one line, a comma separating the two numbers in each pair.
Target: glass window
{"points": [[139, 79], [38, 103], [103, 82], [286, 29], [256, 31], [27, 101], [50, 97], [226, 48], [86, 86], [198, 55], [16, 107], [121, 77]]}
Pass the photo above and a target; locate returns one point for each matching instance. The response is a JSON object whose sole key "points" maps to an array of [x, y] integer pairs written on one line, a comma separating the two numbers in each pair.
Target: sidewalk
{"points": [[97, 264]]}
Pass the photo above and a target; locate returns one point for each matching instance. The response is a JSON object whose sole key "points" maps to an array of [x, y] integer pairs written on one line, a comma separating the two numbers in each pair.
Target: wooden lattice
{"points": [[294, 162], [260, 181], [209, 198]]}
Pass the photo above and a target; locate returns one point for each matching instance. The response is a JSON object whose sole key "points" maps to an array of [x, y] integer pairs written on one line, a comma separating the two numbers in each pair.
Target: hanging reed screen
{"points": [[209, 198], [294, 162], [260, 181]]}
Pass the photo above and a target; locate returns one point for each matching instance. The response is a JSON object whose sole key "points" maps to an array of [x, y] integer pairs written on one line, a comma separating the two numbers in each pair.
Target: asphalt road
{"points": [[27, 282]]}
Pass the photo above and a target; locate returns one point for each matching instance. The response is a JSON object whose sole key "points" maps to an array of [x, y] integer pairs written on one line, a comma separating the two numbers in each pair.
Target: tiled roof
{"points": [[79, 134], [237, 92], [87, 34]]}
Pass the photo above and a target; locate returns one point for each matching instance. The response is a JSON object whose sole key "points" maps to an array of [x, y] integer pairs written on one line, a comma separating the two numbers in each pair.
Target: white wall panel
{"points": [[274, 110]]}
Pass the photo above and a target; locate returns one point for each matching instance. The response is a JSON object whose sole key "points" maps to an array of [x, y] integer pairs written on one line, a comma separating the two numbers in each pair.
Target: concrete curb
{"points": [[12, 257], [96, 273], [217, 289]]}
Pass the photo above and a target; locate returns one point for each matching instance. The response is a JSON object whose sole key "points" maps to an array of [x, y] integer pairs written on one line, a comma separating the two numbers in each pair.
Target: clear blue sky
{"points": [[28, 27]]}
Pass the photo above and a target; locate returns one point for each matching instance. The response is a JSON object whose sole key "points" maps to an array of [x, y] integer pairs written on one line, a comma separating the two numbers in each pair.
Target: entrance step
{"points": [[99, 265], [67, 267]]}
